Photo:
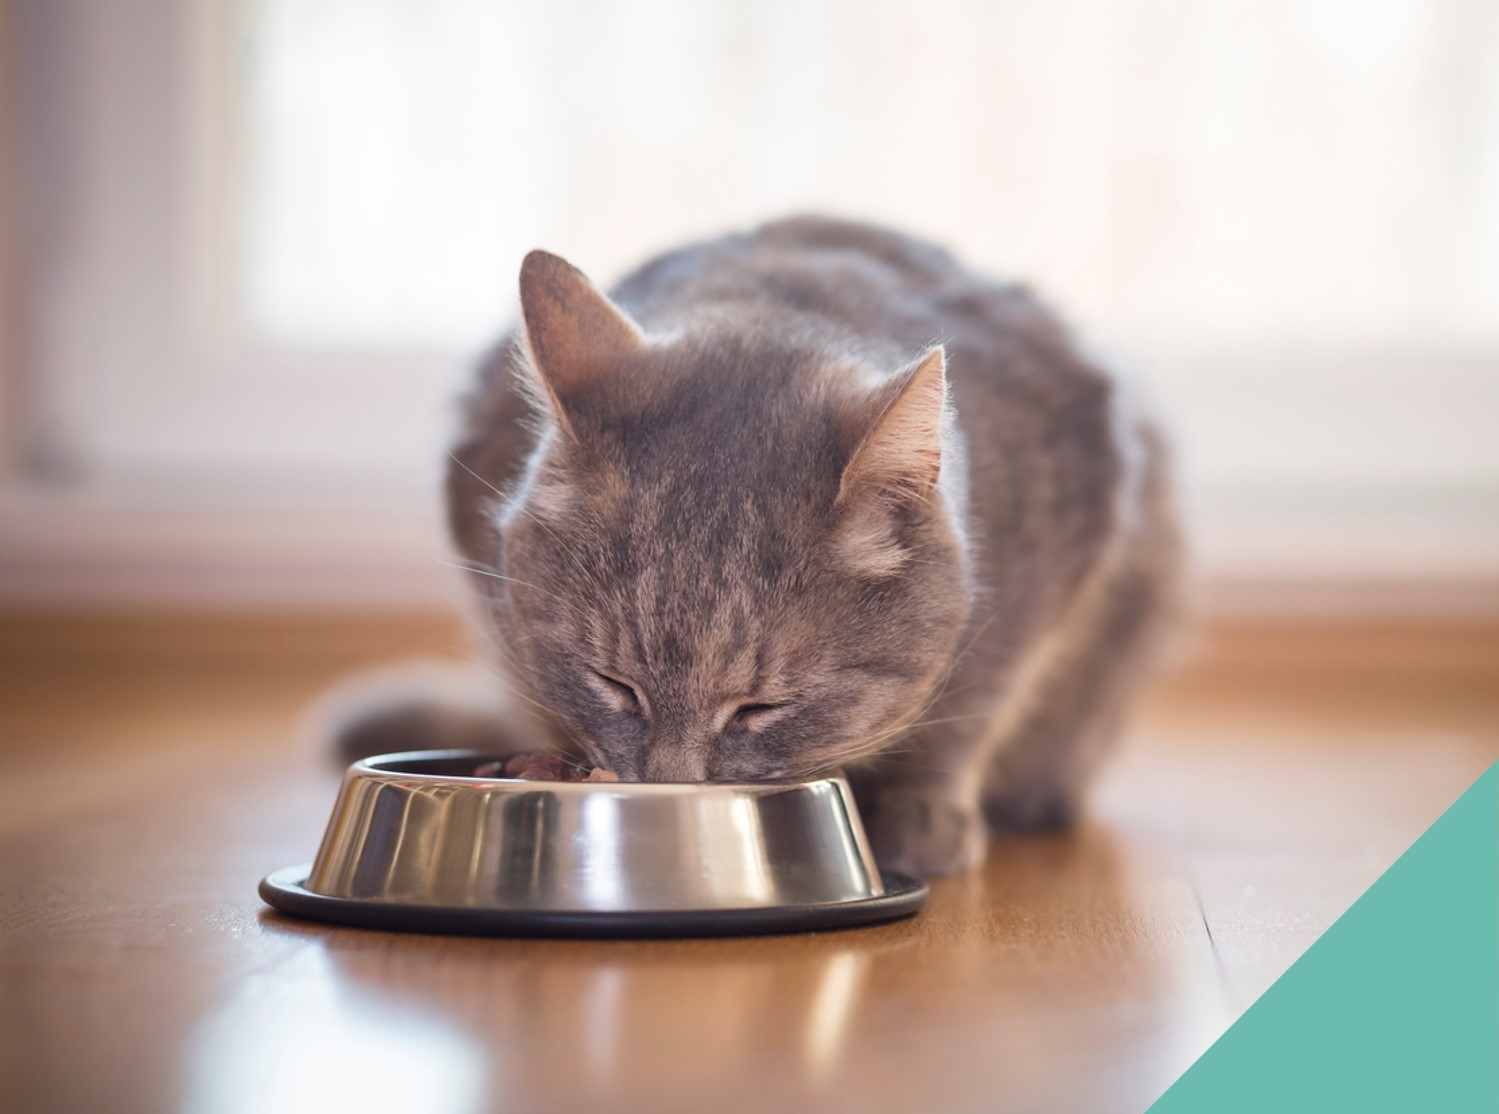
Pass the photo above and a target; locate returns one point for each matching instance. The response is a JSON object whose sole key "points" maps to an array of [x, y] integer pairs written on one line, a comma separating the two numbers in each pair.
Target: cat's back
{"points": [[875, 281], [1056, 449], [884, 295], [802, 260]]}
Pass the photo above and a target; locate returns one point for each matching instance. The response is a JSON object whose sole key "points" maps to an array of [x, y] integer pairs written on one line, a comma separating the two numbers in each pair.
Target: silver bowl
{"points": [[417, 842]]}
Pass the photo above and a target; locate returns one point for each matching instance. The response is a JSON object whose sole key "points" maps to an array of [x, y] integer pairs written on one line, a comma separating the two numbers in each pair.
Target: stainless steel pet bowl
{"points": [[417, 842]]}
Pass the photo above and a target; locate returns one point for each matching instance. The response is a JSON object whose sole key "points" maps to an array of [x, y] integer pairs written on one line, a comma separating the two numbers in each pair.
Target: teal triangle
{"points": [[1394, 1008]]}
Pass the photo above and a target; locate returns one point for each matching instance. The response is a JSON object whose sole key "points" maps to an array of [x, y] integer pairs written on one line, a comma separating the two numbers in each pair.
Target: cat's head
{"points": [[731, 557]]}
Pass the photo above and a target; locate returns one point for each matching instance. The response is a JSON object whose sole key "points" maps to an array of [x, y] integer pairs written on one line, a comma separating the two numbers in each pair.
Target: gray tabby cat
{"points": [[805, 497]]}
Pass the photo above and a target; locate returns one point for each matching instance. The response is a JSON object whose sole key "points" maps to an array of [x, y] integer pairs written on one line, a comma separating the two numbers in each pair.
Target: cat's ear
{"points": [[900, 455], [575, 333]]}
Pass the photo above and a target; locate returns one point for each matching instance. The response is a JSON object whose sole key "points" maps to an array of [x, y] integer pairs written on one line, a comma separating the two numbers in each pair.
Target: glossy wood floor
{"points": [[151, 775]]}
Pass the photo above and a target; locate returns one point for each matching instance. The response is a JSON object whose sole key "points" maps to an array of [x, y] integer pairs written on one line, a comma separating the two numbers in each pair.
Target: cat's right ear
{"points": [[900, 455], [576, 335], [896, 465]]}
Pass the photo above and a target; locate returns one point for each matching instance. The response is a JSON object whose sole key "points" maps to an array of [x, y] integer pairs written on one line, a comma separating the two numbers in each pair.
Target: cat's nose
{"points": [[665, 762]]}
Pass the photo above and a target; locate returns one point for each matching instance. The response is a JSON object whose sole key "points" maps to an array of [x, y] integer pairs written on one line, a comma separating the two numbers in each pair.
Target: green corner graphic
{"points": [[1394, 1008]]}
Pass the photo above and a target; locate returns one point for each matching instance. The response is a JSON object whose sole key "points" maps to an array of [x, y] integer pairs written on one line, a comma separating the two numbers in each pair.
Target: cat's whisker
{"points": [[512, 691], [575, 558], [876, 743], [493, 575], [504, 676], [499, 673], [454, 458], [947, 719], [518, 506], [941, 688]]}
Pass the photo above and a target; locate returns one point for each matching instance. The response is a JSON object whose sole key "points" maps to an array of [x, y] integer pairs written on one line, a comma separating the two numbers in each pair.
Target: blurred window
{"points": [[269, 233]]}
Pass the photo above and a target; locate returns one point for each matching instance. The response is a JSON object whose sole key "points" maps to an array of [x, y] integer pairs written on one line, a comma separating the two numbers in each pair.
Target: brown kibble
{"points": [[538, 766], [542, 766]]}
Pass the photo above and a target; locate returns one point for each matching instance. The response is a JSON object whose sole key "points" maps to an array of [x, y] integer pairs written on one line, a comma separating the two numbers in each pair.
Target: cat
{"points": [[806, 497]]}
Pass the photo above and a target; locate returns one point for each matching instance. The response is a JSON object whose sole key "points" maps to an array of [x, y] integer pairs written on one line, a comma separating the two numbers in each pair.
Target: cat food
{"points": [[543, 766]]}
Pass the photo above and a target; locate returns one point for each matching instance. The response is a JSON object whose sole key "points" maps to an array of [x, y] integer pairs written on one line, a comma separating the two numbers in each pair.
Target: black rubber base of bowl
{"points": [[284, 890]]}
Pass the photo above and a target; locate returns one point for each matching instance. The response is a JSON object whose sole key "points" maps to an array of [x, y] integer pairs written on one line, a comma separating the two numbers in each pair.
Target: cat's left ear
{"points": [[900, 455], [575, 333]]}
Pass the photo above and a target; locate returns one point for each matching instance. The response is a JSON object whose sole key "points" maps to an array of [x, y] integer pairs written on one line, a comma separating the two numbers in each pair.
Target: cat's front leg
{"points": [[924, 827]]}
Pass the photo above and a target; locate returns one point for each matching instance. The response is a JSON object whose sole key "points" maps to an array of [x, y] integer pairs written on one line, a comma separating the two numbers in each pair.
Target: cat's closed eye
{"points": [[749, 716], [625, 696]]}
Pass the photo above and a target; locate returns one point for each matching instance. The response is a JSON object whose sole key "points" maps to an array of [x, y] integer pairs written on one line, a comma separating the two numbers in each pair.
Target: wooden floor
{"points": [[152, 774]]}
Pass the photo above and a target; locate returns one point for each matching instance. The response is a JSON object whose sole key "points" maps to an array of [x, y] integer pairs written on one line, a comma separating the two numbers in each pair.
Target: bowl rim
{"points": [[377, 766]]}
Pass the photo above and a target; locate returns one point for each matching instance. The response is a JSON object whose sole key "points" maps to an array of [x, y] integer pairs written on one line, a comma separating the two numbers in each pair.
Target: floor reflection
{"points": [[833, 1004], [1045, 976], [304, 1038], [594, 1025]]}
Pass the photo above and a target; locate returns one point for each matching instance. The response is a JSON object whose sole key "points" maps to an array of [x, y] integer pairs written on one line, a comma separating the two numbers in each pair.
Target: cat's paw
{"points": [[1031, 811], [925, 834]]}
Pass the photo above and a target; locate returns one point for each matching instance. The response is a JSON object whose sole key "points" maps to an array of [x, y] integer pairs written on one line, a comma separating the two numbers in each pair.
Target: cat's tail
{"points": [[418, 705]]}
